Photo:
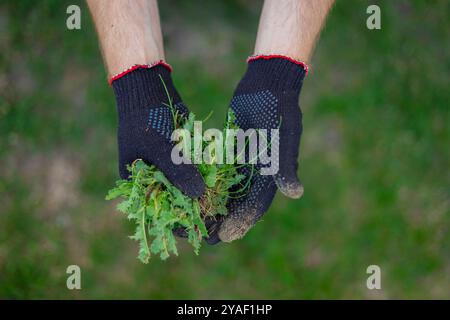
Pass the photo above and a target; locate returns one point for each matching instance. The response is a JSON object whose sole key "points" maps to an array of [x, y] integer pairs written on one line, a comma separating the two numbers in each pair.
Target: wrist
{"points": [[300, 63], [134, 67], [273, 72], [144, 86]]}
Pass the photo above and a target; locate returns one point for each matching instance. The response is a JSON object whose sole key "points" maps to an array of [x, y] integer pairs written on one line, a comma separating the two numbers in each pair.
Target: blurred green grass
{"points": [[374, 158]]}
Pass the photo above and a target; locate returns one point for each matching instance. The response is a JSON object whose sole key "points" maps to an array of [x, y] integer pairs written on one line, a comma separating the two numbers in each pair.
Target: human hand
{"points": [[266, 98], [146, 124]]}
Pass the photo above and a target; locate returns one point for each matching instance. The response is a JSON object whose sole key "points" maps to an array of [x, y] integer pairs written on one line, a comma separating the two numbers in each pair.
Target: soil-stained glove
{"points": [[146, 124], [266, 98]]}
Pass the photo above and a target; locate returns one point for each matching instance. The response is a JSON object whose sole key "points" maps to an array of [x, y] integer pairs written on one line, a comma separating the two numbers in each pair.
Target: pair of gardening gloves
{"points": [[266, 98]]}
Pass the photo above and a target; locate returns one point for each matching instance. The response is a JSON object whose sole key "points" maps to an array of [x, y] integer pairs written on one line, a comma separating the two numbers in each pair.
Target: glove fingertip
{"points": [[124, 173], [186, 178], [193, 188], [180, 232], [292, 189], [235, 227], [213, 224], [213, 239]]}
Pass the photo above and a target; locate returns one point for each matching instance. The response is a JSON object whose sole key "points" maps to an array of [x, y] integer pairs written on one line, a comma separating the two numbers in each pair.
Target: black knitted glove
{"points": [[266, 98], [146, 124]]}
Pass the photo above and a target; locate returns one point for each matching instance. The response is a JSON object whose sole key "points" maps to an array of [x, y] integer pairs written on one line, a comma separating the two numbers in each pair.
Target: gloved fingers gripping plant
{"points": [[163, 198], [159, 196], [266, 98]]}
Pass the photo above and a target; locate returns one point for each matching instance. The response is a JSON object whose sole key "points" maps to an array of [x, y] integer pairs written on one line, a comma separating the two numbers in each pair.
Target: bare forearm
{"points": [[291, 27], [129, 32]]}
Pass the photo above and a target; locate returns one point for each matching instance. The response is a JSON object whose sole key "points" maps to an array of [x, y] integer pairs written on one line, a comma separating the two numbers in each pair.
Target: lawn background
{"points": [[375, 158]]}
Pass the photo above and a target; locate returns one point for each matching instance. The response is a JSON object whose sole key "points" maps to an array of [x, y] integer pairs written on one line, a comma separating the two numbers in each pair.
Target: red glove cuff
{"points": [[138, 66], [279, 56]]}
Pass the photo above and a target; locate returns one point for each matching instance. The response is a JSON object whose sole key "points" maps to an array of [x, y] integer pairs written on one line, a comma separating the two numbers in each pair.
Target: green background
{"points": [[375, 158]]}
